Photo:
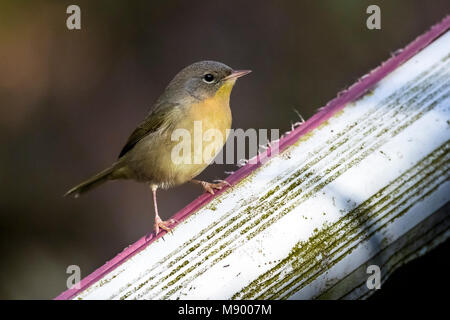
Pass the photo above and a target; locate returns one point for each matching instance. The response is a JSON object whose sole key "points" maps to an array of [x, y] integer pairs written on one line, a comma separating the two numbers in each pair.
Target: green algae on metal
{"points": [[315, 245]]}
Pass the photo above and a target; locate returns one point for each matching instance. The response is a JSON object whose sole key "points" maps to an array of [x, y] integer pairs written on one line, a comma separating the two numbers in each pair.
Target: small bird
{"points": [[199, 93]]}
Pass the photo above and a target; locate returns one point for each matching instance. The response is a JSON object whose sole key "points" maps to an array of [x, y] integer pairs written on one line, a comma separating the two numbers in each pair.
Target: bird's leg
{"points": [[209, 187], [159, 223]]}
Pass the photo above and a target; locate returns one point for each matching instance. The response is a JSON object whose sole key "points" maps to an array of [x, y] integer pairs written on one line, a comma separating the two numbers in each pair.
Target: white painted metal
{"points": [[327, 206]]}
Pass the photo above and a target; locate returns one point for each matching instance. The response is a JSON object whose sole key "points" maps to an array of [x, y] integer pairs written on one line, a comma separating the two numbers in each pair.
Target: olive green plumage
{"points": [[199, 92]]}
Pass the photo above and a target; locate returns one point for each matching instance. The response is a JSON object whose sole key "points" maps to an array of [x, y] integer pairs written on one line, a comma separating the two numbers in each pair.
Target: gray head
{"points": [[203, 79]]}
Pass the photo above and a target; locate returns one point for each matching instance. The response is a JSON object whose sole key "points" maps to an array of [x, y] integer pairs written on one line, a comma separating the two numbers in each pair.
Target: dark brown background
{"points": [[69, 99]]}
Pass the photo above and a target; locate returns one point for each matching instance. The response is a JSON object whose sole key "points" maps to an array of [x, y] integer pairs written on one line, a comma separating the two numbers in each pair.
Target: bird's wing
{"points": [[154, 121]]}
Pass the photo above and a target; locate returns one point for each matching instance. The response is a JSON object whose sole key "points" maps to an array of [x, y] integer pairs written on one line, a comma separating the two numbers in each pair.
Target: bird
{"points": [[198, 94]]}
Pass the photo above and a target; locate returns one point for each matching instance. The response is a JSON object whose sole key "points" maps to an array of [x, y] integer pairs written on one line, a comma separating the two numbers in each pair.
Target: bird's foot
{"points": [[165, 225], [209, 187]]}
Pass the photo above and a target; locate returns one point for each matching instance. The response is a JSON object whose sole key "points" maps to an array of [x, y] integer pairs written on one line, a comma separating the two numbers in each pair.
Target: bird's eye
{"points": [[208, 78]]}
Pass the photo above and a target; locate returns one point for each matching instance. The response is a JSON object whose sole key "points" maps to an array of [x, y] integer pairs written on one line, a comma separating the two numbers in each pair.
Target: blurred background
{"points": [[70, 99]]}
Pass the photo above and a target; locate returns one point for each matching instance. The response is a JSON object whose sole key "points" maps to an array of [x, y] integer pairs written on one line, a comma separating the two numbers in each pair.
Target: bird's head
{"points": [[205, 79]]}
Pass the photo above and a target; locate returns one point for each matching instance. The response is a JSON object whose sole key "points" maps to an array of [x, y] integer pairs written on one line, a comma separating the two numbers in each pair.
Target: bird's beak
{"points": [[237, 74]]}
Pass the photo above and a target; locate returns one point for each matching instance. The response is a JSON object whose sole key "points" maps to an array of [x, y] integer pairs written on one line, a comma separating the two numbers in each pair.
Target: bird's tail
{"points": [[91, 183]]}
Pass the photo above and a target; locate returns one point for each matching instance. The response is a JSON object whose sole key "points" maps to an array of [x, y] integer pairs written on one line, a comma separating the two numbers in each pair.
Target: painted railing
{"points": [[361, 186]]}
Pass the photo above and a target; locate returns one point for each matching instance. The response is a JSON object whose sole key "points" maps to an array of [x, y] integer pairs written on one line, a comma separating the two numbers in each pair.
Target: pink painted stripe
{"points": [[352, 93]]}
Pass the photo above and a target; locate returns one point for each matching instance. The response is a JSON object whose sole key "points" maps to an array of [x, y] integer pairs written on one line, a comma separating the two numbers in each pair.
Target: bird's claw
{"points": [[209, 187], [165, 225]]}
